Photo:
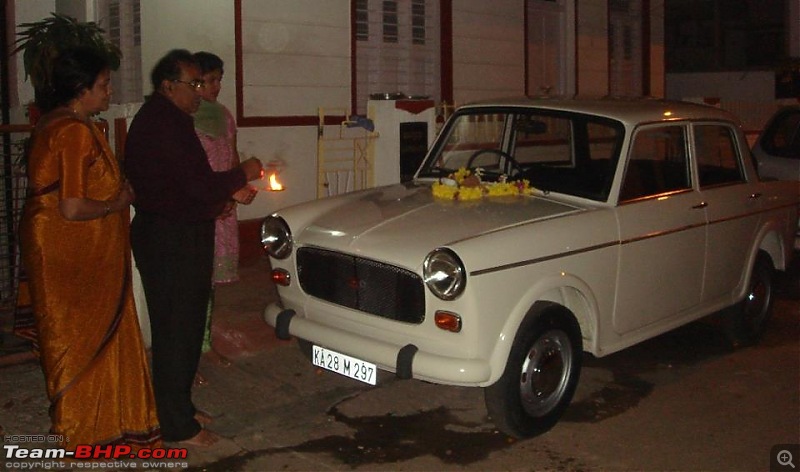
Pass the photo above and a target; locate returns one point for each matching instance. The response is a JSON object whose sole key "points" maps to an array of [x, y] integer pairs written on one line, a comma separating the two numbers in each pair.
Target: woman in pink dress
{"points": [[216, 128]]}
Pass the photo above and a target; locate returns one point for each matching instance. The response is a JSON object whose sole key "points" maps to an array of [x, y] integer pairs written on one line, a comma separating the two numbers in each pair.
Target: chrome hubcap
{"points": [[545, 373], [757, 303]]}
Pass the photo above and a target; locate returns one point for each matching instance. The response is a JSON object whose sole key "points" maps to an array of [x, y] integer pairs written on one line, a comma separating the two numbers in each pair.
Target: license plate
{"points": [[345, 365]]}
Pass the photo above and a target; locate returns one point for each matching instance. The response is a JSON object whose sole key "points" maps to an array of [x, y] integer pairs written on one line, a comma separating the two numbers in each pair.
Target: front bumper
{"points": [[406, 361]]}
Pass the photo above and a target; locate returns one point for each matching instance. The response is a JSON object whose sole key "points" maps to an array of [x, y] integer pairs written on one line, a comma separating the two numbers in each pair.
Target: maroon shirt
{"points": [[168, 168]]}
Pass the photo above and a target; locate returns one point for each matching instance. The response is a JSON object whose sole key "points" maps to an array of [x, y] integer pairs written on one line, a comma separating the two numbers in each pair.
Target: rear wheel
{"points": [[540, 376], [745, 322]]}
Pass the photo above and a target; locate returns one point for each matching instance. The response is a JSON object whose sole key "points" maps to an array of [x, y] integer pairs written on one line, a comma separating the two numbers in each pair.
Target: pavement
{"points": [[239, 337], [682, 401]]}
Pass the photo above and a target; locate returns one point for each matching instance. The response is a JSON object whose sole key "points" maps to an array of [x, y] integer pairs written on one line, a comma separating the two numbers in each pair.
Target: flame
{"points": [[274, 185]]}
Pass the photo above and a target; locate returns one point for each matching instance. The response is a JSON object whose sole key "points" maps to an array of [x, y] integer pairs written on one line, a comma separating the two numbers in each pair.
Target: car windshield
{"points": [[570, 153]]}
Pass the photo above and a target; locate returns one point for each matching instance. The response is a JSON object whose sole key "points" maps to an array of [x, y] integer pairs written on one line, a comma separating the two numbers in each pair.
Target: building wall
{"points": [[657, 49], [196, 25], [592, 47], [296, 56], [25, 12], [488, 49], [488, 61], [296, 59]]}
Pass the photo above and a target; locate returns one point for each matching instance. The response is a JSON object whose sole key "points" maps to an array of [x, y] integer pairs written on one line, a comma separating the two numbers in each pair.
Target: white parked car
{"points": [[777, 150], [535, 230]]}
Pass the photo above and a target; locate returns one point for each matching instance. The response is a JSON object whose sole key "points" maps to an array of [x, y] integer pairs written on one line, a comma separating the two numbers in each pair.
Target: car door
{"points": [[662, 230], [732, 203]]}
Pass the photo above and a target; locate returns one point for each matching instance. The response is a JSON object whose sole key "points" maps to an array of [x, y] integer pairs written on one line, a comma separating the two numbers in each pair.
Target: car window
{"points": [[717, 155], [543, 139], [568, 153], [469, 135], [564, 152], [657, 163], [782, 136]]}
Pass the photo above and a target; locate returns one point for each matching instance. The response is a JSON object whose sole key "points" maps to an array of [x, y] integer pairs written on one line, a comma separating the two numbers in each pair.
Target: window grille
{"points": [[362, 20], [418, 21], [121, 19], [113, 20], [390, 30]]}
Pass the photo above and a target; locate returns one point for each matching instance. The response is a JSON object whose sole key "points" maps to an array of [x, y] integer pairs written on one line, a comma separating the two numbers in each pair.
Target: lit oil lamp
{"points": [[274, 185], [269, 176]]}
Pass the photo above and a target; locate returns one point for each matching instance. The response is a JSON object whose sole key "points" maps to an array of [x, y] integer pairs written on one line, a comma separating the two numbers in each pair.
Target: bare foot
{"points": [[203, 417], [218, 358], [204, 438], [199, 380]]}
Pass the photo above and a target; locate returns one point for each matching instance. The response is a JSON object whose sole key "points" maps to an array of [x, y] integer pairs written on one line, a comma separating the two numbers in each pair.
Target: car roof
{"points": [[627, 110]]}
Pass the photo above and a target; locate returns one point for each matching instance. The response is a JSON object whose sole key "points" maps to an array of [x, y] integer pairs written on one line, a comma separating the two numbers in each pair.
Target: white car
{"points": [[534, 231], [777, 150]]}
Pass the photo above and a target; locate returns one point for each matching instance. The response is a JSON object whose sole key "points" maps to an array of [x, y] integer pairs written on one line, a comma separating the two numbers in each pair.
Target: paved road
{"points": [[682, 401]]}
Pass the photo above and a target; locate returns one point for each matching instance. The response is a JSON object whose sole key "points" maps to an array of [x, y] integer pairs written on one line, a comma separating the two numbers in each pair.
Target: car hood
{"points": [[402, 223]]}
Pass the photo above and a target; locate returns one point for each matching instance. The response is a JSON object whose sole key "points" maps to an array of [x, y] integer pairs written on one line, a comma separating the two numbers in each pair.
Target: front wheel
{"points": [[541, 374]]}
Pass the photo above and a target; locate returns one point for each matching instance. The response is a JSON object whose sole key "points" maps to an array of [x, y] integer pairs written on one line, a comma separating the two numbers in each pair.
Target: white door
{"points": [[625, 38], [662, 225], [733, 206], [547, 57]]}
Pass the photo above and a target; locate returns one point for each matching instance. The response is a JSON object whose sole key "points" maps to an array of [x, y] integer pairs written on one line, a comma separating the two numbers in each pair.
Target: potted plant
{"points": [[41, 41]]}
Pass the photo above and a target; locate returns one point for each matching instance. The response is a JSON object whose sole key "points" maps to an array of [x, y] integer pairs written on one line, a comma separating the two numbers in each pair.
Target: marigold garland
{"points": [[464, 185]]}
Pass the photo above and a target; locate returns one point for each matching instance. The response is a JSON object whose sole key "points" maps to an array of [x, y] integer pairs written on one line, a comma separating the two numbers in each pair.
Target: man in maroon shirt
{"points": [[178, 197]]}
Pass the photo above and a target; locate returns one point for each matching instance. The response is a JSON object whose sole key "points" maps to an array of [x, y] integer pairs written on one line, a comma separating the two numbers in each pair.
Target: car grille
{"points": [[362, 284]]}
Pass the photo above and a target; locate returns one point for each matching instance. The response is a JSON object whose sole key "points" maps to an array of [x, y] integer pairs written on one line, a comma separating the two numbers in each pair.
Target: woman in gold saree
{"points": [[76, 251]]}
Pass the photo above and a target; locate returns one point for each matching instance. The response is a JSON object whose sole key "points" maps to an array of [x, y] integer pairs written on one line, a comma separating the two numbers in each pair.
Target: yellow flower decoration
{"points": [[454, 187], [461, 174], [446, 192]]}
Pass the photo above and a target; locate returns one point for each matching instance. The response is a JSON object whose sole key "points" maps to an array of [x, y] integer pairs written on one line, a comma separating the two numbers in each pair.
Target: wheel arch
{"points": [[541, 375], [773, 245], [566, 291]]}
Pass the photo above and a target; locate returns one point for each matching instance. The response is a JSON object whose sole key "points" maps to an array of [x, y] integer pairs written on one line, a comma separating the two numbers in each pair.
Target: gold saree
{"points": [[91, 351]]}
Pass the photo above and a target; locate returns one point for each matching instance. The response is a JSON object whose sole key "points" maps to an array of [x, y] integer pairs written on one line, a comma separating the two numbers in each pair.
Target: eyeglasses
{"points": [[195, 84]]}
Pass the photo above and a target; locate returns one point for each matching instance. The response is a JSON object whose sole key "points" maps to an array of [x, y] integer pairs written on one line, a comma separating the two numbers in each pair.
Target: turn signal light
{"points": [[448, 321], [281, 277]]}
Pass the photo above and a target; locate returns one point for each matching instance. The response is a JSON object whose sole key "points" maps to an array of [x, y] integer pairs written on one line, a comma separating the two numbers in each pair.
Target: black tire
{"points": [[541, 373], [746, 321]]}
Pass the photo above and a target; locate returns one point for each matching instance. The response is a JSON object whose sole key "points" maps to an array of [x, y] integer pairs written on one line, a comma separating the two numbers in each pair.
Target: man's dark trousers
{"points": [[175, 261]]}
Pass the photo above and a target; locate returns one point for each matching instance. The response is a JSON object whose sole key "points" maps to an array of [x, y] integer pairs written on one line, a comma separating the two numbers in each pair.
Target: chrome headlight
{"points": [[276, 237], [444, 274]]}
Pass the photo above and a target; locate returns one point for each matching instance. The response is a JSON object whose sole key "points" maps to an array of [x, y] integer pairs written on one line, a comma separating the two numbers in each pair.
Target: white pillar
{"points": [[387, 115]]}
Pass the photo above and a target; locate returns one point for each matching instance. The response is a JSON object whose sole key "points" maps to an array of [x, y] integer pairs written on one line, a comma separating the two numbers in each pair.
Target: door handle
{"points": [[753, 196], [700, 205]]}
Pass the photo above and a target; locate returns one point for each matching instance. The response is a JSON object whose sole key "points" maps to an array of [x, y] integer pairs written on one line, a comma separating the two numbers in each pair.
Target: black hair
{"points": [[74, 70], [209, 62], [169, 66]]}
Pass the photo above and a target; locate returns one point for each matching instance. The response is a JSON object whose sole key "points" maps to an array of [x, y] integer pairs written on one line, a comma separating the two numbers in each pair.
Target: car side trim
{"points": [[538, 260], [543, 259]]}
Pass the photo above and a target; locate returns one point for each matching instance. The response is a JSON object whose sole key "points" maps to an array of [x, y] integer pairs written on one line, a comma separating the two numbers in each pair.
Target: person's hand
{"points": [[227, 211], [252, 168], [125, 197], [245, 195]]}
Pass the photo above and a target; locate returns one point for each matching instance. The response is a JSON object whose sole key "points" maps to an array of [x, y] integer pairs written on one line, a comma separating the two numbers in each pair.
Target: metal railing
{"points": [[13, 189]]}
